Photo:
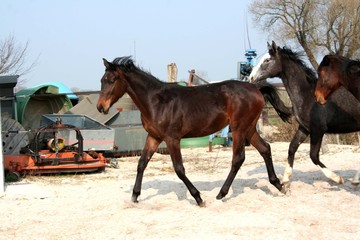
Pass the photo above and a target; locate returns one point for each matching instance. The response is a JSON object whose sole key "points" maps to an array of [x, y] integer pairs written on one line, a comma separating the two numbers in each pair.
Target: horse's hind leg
{"points": [[237, 161], [298, 139], [315, 145], [265, 151], [150, 147], [175, 154]]}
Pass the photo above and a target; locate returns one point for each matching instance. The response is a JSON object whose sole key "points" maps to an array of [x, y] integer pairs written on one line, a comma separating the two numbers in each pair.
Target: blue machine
{"points": [[247, 66]]}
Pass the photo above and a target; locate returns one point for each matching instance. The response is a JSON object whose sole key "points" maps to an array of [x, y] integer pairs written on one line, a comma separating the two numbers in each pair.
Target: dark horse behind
{"points": [[341, 114], [170, 112], [335, 71]]}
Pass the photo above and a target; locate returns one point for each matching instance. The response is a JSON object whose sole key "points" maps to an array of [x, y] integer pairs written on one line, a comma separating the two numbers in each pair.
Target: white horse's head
{"points": [[256, 68]]}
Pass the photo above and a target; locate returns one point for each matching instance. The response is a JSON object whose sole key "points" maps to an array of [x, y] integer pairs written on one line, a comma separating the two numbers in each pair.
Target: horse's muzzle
{"points": [[101, 109], [320, 98]]}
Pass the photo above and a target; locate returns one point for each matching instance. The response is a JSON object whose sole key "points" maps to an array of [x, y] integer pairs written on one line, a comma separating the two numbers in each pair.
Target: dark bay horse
{"points": [[170, 112], [340, 115], [335, 71]]}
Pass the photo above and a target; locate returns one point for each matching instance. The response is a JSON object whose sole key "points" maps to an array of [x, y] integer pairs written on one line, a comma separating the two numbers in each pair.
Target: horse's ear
{"points": [[326, 60], [106, 63], [272, 48], [268, 45], [273, 45]]}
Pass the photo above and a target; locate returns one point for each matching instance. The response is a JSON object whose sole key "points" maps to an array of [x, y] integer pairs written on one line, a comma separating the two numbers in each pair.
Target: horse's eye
{"points": [[107, 79]]}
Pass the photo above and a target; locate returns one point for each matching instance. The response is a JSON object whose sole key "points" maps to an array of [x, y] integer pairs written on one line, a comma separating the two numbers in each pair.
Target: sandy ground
{"points": [[98, 206]]}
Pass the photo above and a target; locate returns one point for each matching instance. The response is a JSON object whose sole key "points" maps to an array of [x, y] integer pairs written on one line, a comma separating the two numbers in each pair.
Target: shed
{"points": [[8, 104]]}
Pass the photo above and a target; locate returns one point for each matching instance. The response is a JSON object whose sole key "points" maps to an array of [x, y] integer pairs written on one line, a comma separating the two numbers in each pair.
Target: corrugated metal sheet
{"points": [[130, 135], [87, 106]]}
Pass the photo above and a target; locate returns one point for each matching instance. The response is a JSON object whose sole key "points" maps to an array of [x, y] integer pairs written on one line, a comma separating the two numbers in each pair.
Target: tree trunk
{"points": [[310, 55]]}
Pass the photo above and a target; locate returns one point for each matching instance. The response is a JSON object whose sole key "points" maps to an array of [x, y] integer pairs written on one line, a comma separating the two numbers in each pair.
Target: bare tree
{"points": [[13, 57], [340, 33], [315, 25]]}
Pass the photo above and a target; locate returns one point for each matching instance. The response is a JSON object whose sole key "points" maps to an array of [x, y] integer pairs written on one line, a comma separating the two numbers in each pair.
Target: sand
{"points": [[98, 206]]}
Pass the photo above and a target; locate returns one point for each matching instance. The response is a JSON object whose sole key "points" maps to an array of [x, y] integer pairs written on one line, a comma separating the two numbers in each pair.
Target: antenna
{"points": [[244, 35], [247, 31]]}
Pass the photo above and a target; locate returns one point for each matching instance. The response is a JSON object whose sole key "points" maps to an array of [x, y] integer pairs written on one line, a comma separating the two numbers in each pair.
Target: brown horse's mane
{"points": [[127, 64], [296, 57]]}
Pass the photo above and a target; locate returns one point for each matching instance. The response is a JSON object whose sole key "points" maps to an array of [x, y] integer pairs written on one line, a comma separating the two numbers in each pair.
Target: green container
{"points": [[200, 142], [32, 103]]}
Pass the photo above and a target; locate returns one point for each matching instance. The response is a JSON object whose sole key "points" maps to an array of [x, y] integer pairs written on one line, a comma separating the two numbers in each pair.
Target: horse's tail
{"points": [[271, 95]]}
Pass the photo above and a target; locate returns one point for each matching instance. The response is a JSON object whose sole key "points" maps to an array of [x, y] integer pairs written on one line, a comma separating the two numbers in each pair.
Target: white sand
{"points": [[98, 206]]}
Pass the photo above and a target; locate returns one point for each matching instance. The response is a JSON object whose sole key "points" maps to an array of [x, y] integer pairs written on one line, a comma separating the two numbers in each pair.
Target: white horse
{"points": [[254, 76]]}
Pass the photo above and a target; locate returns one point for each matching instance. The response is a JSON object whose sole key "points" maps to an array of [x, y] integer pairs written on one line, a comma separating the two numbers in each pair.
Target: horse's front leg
{"points": [[150, 147], [315, 145], [173, 146], [296, 141]]}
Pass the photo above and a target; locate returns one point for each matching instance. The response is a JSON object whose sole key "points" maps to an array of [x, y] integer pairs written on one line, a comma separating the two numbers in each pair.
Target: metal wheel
{"points": [[12, 177]]}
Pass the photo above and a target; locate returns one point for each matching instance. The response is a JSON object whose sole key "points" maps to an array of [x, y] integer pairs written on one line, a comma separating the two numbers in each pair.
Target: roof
{"points": [[63, 89], [36, 101], [9, 79]]}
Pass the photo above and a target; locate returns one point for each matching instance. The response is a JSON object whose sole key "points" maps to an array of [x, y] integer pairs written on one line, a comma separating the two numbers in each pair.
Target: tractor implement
{"points": [[48, 153]]}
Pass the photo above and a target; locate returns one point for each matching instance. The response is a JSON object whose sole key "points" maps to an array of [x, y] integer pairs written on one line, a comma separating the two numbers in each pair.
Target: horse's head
{"points": [[330, 76], [113, 85], [257, 66], [268, 67]]}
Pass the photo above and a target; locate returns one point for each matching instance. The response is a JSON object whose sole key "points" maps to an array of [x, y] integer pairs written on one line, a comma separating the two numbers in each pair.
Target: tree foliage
{"points": [[319, 26]]}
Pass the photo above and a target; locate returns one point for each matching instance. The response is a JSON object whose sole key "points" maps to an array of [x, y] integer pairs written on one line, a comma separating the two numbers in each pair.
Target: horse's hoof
{"points": [[202, 204], [220, 196], [355, 183], [285, 187], [341, 180], [134, 199]]}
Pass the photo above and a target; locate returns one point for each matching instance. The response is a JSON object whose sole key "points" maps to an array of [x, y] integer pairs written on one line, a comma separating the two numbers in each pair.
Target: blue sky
{"points": [[70, 37]]}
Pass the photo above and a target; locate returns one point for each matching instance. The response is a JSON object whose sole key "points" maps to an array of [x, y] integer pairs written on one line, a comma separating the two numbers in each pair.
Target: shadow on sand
{"points": [[164, 187]]}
